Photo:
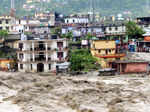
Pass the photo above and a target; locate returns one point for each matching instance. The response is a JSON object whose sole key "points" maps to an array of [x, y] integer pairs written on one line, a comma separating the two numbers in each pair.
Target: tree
{"points": [[89, 36], [57, 31], [133, 30], [68, 35], [3, 35], [82, 60]]}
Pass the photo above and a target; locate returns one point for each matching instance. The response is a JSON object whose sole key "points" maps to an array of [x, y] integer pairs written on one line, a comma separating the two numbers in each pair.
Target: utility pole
{"points": [[12, 4], [12, 12], [93, 11]]}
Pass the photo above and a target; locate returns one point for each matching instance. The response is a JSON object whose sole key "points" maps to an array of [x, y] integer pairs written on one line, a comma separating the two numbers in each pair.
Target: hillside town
{"points": [[78, 62], [50, 42]]}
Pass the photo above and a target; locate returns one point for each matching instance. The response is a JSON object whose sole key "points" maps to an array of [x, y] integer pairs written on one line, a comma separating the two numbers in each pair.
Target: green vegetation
{"points": [[82, 60], [133, 30], [104, 7], [69, 35], [56, 31], [3, 34]]}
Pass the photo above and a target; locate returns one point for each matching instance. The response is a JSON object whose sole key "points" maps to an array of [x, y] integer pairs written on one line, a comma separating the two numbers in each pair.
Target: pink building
{"points": [[127, 66]]}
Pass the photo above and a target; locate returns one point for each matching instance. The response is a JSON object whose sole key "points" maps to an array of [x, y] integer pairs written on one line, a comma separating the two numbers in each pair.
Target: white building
{"points": [[76, 20], [115, 29], [41, 55], [6, 23], [21, 25]]}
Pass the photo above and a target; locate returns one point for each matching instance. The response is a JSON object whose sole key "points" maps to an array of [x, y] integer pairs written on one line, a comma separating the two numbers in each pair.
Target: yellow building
{"points": [[6, 64], [105, 51]]}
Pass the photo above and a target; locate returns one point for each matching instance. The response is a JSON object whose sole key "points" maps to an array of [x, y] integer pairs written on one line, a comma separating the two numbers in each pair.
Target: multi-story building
{"points": [[76, 20], [6, 23], [106, 51], [115, 29], [41, 55]]}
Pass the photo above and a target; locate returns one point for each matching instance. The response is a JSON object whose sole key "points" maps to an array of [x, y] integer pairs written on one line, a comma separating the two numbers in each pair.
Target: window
{"points": [[110, 50], [0, 22], [99, 51], [118, 59], [60, 54], [19, 21], [116, 28], [106, 51], [67, 21], [21, 66], [73, 20], [59, 44], [49, 66], [20, 56], [110, 28], [21, 46], [7, 21], [31, 67], [7, 28]]}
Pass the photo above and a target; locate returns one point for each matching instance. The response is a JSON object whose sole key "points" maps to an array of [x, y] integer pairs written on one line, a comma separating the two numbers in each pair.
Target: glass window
{"points": [[31, 67], [116, 28], [49, 66], [110, 28], [7, 21], [21, 66], [7, 28]]}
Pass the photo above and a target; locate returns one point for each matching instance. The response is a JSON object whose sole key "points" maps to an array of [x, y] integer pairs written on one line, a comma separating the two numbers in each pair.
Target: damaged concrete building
{"points": [[41, 55]]}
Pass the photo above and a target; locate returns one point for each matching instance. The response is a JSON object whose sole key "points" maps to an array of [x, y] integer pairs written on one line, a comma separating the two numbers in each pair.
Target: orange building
{"points": [[6, 64]]}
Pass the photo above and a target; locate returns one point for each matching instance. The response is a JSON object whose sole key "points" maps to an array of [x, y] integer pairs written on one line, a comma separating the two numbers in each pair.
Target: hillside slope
{"points": [[105, 7]]}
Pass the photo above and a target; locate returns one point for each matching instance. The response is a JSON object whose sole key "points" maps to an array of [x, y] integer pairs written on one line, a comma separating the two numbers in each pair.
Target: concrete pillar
{"points": [[46, 67], [46, 46], [120, 68], [18, 56], [33, 57], [33, 46], [46, 57], [34, 67]]}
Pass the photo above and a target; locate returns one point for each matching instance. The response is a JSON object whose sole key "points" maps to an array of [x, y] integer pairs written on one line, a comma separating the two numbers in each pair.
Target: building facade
{"points": [[41, 55], [105, 51], [76, 20], [6, 23]]}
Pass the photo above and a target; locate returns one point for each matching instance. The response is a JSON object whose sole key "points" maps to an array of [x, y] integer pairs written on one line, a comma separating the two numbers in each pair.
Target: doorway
{"points": [[40, 67], [41, 45]]}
